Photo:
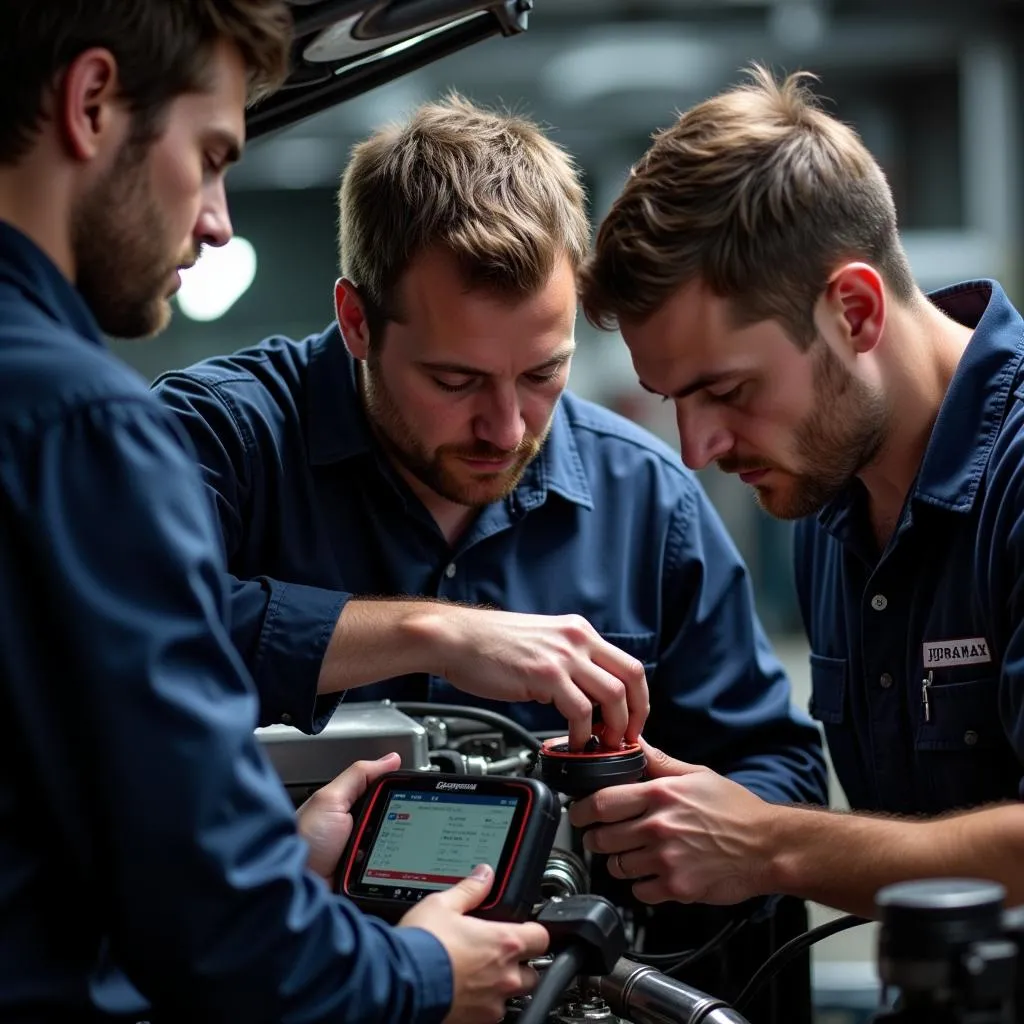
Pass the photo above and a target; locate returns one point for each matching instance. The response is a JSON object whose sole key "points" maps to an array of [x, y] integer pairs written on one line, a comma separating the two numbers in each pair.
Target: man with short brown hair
{"points": [[148, 853], [754, 268]]}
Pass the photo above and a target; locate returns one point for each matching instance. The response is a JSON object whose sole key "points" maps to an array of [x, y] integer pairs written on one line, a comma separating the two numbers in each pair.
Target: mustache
{"points": [[483, 450], [734, 464], [191, 257]]}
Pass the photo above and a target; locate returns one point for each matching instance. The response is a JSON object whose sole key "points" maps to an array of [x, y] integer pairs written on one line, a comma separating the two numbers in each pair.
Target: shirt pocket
{"points": [[828, 689], [962, 752], [962, 716], [642, 646]]}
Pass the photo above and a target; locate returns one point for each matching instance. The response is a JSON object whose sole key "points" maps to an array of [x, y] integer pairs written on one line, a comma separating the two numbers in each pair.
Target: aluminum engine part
{"points": [[356, 731]]}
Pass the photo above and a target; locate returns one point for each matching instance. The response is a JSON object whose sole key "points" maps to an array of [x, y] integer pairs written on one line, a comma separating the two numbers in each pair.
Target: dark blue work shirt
{"points": [[140, 823], [917, 659], [606, 523]]}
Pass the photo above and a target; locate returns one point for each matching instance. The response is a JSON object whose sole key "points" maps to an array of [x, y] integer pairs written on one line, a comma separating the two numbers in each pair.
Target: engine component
{"points": [[580, 773], [564, 875], [356, 731]]}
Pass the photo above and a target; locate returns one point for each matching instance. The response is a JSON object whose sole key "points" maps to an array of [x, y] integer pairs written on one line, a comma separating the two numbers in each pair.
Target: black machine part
{"points": [[578, 774], [944, 946]]}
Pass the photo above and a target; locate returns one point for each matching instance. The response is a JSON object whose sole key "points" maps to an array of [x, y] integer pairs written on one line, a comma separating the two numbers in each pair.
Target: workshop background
{"points": [[933, 87]]}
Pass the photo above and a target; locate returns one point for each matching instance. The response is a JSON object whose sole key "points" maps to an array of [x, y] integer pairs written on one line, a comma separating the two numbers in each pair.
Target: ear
{"points": [[89, 110], [351, 318], [854, 301]]}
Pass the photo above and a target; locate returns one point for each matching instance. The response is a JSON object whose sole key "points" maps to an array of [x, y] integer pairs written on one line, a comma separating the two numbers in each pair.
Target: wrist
{"points": [[786, 848], [431, 629]]}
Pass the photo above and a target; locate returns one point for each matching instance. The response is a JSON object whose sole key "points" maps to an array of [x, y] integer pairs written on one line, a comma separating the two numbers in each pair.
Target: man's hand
{"points": [[551, 659], [487, 957], [688, 834], [325, 819]]}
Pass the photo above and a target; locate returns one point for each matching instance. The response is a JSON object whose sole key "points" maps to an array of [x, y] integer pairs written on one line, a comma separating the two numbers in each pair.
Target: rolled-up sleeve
{"points": [[723, 697], [136, 714], [282, 629]]}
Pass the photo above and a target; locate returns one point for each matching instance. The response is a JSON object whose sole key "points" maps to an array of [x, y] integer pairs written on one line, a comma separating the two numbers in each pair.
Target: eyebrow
{"points": [[704, 381], [559, 359]]}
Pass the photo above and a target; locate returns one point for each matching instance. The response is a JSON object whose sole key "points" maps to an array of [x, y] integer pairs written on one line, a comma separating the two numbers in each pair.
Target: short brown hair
{"points": [[758, 193], [162, 49], [490, 188]]}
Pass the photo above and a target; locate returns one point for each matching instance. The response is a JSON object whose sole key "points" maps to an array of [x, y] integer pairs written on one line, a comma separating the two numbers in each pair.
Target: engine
{"points": [[473, 741]]}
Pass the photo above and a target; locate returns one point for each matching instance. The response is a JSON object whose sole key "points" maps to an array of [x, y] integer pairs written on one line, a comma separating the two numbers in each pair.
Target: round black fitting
{"points": [[577, 774]]}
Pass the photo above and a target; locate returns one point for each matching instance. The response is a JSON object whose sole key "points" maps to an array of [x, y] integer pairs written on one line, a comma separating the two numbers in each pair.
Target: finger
{"points": [[629, 672], [660, 765], [607, 691], [535, 938], [528, 979], [343, 791], [655, 890], [634, 864], [468, 894], [578, 712], [612, 839], [615, 803]]}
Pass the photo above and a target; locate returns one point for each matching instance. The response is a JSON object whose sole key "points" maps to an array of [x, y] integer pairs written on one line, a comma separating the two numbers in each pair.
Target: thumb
{"points": [[468, 894], [660, 765], [344, 790]]}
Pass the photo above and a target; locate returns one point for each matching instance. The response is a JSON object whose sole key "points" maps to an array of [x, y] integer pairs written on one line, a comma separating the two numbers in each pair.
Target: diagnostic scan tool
{"points": [[421, 832]]}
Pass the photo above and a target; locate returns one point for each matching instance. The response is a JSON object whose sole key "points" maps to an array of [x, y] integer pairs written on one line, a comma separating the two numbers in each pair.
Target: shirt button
{"points": [[449, 570], [885, 680], [970, 737], [879, 602], [286, 719]]}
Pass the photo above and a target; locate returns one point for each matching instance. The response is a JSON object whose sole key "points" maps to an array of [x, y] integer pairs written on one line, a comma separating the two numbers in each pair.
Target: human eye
{"points": [[454, 385], [544, 376], [213, 166], [729, 395]]}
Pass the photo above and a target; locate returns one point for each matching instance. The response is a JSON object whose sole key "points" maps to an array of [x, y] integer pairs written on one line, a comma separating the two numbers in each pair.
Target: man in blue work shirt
{"points": [[754, 267], [425, 445], [146, 845]]}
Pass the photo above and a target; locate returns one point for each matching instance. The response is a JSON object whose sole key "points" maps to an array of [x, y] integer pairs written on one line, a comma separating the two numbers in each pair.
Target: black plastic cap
{"points": [[588, 921]]}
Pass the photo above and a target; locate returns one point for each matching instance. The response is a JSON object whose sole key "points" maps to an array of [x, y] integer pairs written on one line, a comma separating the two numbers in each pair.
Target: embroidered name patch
{"points": [[945, 653]]}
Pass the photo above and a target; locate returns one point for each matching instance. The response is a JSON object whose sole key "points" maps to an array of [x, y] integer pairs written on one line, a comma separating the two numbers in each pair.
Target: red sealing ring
{"points": [[559, 748]]}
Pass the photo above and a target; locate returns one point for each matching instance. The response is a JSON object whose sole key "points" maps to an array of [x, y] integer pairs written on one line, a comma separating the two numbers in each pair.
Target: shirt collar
{"points": [[972, 411], [25, 266], [338, 429]]}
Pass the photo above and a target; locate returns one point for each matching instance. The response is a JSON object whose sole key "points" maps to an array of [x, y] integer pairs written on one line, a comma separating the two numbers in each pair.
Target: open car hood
{"points": [[346, 47]]}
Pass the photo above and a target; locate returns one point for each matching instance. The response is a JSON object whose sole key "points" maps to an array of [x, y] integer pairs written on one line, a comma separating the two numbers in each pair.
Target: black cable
{"points": [[716, 940], [686, 957], [557, 978], [465, 711], [784, 954]]}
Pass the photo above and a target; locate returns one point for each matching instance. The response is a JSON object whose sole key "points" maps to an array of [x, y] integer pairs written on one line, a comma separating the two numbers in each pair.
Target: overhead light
{"points": [[220, 278], [600, 64]]}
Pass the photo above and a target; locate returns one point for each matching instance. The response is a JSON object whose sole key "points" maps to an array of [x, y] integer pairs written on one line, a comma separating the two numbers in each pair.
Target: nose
{"points": [[703, 438], [499, 420], [213, 225]]}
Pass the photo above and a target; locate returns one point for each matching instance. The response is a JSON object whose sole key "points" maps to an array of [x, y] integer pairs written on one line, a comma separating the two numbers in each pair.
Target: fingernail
{"points": [[481, 873]]}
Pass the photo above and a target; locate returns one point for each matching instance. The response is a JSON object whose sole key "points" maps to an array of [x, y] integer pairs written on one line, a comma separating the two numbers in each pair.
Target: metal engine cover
{"points": [[356, 731]]}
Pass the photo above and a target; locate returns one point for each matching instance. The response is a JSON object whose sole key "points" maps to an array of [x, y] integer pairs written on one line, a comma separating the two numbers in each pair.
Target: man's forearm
{"points": [[842, 860], [376, 640]]}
